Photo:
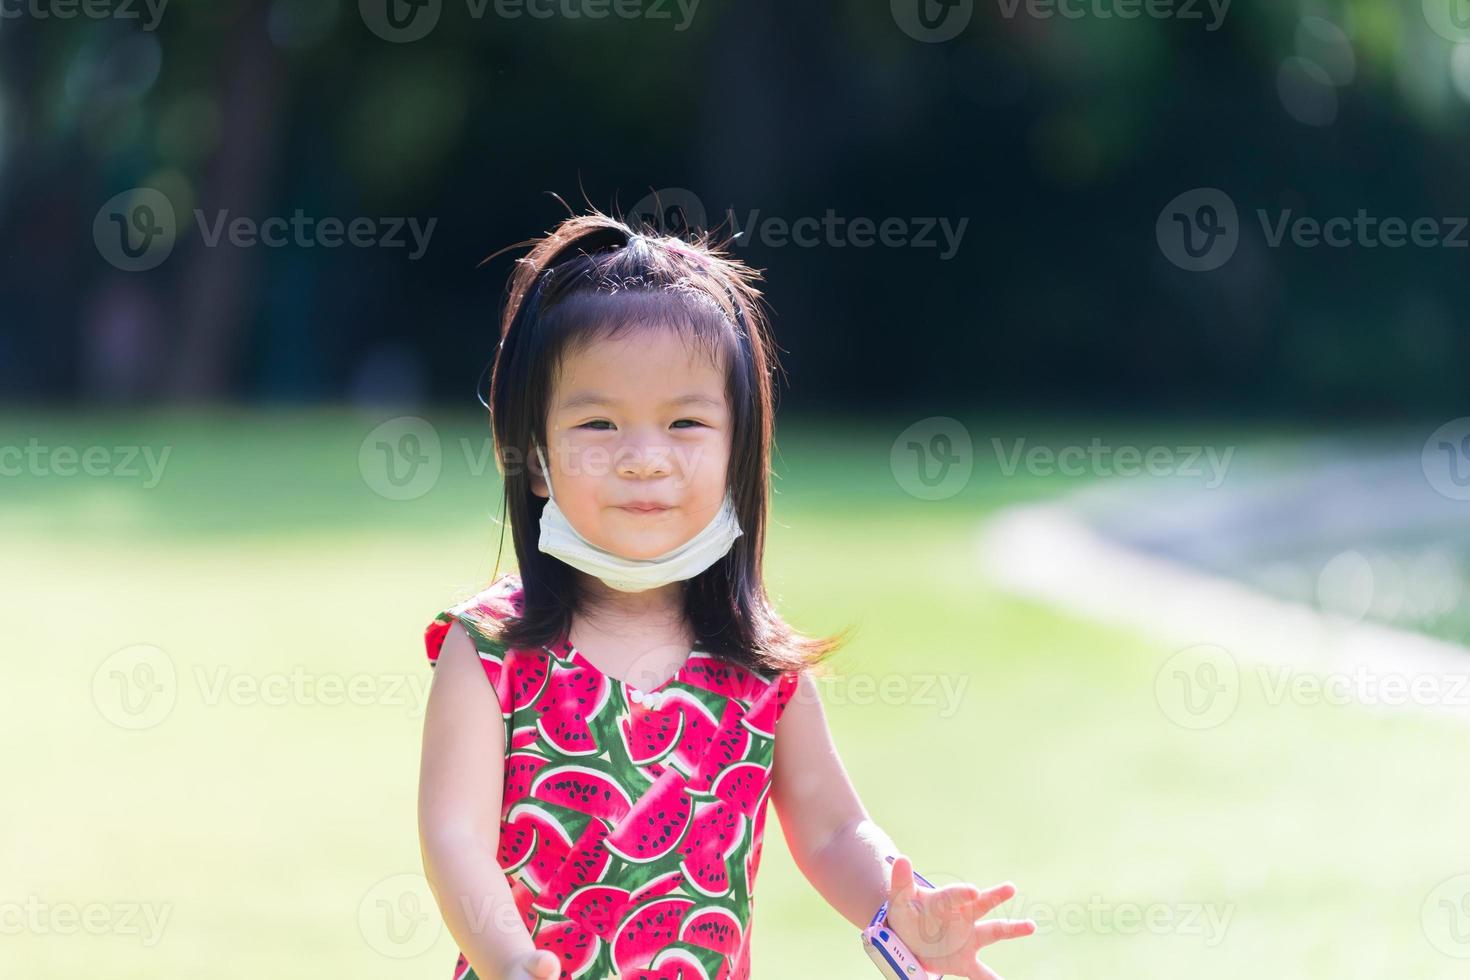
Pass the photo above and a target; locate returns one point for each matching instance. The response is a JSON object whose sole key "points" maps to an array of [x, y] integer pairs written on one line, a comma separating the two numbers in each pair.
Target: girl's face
{"points": [[642, 419]]}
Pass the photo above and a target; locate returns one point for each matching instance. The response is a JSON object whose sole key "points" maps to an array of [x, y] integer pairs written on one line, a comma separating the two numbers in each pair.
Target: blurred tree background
{"points": [[1021, 259], [1057, 139]]}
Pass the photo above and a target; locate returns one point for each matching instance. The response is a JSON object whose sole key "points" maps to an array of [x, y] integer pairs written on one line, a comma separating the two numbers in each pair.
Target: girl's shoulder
{"points": [[480, 615], [763, 694], [760, 695]]}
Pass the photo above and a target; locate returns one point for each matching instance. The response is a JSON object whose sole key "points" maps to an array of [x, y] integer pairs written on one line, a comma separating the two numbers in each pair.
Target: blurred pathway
{"points": [[1330, 558]]}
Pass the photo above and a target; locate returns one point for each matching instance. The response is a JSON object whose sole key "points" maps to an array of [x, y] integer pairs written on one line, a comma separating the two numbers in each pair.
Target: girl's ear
{"points": [[534, 474]]}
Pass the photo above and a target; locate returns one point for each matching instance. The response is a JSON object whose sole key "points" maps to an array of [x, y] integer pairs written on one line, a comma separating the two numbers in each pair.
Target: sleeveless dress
{"points": [[632, 820]]}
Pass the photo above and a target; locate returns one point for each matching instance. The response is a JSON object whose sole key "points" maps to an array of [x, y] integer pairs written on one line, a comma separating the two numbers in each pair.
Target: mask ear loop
{"points": [[545, 472]]}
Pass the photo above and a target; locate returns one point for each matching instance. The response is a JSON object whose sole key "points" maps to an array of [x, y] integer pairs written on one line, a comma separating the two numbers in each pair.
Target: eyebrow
{"points": [[588, 398]]}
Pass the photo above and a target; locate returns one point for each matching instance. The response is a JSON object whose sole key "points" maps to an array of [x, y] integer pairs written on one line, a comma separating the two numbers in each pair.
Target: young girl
{"points": [[597, 808]]}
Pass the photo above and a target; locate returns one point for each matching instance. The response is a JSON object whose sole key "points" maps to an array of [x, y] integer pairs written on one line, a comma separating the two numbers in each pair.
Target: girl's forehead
{"points": [[645, 366]]}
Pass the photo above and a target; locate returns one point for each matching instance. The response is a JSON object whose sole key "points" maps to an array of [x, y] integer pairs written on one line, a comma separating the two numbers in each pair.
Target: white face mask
{"points": [[560, 540]]}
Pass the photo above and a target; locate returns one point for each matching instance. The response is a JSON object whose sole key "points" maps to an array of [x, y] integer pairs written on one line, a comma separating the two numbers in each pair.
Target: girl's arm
{"points": [[836, 845], [843, 853], [459, 813]]}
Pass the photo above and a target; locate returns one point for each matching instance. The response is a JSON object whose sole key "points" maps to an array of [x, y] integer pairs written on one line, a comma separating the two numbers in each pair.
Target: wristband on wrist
{"points": [[889, 953]]}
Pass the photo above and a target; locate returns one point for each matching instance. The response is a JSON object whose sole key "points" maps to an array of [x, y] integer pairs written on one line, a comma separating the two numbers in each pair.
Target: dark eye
{"points": [[588, 425], [693, 421]]}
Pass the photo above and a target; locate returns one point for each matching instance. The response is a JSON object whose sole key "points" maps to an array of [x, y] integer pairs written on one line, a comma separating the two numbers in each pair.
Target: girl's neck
{"points": [[609, 610]]}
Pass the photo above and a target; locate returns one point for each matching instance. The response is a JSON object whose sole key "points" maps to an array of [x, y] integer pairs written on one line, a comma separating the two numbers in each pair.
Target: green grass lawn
{"points": [[1291, 841]]}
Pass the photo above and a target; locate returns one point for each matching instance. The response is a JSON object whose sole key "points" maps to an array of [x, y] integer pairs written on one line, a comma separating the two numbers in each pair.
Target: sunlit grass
{"points": [[1315, 834]]}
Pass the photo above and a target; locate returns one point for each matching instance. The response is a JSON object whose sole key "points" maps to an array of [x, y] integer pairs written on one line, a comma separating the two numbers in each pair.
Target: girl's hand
{"points": [[939, 924], [538, 965]]}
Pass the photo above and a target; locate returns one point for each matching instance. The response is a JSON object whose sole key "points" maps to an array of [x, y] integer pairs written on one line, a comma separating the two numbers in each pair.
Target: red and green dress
{"points": [[632, 820]]}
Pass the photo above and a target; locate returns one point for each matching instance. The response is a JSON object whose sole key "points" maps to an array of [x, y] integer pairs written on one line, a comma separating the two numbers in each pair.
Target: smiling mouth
{"points": [[645, 510]]}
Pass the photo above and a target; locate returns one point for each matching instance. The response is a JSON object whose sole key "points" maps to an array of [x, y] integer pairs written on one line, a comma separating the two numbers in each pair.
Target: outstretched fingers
{"points": [[991, 898], [994, 930], [970, 903], [901, 882]]}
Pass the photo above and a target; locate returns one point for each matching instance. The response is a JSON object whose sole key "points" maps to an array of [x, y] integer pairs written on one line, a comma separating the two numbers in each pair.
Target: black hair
{"points": [[594, 277]]}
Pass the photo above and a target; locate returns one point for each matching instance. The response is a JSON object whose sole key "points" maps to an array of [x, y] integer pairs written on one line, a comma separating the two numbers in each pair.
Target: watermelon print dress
{"points": [[632, 820]]}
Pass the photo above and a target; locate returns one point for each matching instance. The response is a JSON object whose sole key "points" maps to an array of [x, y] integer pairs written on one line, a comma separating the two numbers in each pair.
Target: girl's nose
{"points": [[644, 460]]}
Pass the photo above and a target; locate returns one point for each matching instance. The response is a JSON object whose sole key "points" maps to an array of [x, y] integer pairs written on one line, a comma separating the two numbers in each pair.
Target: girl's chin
{"points": [[643, 547]]}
